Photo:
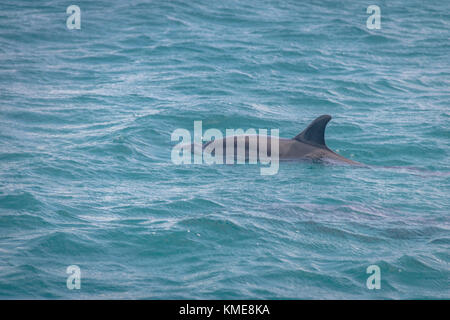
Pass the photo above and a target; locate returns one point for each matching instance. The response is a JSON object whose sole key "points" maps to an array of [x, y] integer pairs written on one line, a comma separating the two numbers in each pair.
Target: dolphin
{"points": [[308, 145]]}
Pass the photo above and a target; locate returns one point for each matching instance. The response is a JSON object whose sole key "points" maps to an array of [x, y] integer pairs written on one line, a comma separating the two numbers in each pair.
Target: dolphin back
{"points": [[315, 133]]}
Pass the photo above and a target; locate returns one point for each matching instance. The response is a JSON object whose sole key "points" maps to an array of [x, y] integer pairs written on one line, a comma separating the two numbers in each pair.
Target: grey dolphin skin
{"points": [[307, 145], [310, 144]]}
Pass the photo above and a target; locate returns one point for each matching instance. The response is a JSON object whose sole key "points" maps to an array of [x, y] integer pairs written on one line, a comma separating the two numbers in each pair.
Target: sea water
{"points": [[86, 175]]}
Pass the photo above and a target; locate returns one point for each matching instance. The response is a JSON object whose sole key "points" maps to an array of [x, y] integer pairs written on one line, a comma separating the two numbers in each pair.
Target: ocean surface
{"points": [[86, 176]]}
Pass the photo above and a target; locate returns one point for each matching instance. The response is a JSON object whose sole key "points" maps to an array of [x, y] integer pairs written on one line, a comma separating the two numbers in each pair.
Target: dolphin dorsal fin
{"points": [[315, 132]]}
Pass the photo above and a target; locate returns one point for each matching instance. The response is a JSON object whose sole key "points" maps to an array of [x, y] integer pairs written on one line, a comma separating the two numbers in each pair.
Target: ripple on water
{"points": [[85, 140]]}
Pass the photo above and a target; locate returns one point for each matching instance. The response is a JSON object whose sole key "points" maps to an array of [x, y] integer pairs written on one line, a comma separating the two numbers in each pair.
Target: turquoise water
{"points": [[86, 176]]}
